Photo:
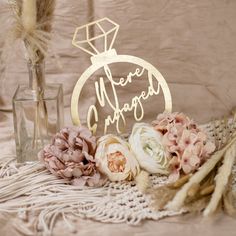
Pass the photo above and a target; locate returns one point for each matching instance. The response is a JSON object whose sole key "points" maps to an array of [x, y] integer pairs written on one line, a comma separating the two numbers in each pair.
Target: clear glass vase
{"points": [[38, 113]]}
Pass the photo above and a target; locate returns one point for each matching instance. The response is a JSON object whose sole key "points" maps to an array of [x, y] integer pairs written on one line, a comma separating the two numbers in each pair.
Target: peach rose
{"points": [[115, 158]]}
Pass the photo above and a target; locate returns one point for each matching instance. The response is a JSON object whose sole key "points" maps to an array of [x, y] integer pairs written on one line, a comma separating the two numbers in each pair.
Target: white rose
{"points": [[115, 159], [145, 142]]}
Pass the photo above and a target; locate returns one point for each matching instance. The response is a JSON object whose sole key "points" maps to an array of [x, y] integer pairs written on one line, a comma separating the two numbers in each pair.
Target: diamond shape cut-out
{"points": [[101, 28]]}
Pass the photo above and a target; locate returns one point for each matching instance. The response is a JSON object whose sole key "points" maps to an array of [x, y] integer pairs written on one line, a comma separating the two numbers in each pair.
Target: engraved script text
{"points": [[118, 116]]}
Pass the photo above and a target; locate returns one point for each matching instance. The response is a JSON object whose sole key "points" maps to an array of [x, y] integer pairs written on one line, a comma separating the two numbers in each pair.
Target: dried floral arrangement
{"points": [[193, 171], [111, 179], [32, 26], [198, 170], [211, 185]]}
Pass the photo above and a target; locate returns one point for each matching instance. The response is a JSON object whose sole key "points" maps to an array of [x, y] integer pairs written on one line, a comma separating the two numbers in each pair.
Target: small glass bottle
{"points": [[38, 113]]}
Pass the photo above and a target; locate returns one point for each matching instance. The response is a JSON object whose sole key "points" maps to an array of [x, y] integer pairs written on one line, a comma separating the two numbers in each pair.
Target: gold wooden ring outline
{"points": [[119, 58]]}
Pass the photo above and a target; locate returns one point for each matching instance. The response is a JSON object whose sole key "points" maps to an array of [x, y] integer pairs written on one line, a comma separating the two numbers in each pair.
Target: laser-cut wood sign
{"points": [[102, 59]]}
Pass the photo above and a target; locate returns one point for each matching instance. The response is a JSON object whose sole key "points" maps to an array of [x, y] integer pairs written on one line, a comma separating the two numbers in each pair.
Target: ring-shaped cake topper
{"points": [[102, 60]]}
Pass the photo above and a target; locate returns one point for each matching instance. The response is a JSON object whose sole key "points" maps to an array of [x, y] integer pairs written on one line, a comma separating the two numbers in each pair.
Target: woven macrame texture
{"points": [[39, 198]]}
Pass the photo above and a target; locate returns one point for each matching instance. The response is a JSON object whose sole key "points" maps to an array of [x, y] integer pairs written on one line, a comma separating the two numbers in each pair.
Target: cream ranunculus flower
{"points": [[146, 143], [115, 159]]}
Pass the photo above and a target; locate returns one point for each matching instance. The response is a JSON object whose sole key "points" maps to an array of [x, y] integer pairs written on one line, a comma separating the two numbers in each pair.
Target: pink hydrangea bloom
{"points": [[185, 141], [71, 156]]}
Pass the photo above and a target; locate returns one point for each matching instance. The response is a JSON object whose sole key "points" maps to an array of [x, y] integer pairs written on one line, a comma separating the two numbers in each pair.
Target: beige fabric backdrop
{"points": [[192, 43]]}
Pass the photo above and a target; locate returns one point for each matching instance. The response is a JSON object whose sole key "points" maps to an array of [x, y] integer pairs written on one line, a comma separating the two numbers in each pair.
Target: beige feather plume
{"points": [[33, 24], [221, 180], [29, 15]]}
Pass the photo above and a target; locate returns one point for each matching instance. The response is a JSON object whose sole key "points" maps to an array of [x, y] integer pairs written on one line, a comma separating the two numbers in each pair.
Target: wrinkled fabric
{"points": [[191, 42]]}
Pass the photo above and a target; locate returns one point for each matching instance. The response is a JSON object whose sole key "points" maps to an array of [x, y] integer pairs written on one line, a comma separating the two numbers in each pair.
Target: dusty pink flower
{"points": [[163, 121], [71, 156], [172, 136], [175, 168], [189, 161], [188, 138], [185, 141]]}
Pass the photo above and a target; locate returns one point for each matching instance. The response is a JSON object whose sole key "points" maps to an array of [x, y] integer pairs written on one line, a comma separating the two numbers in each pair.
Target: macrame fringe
{"points": [[31, 188], [39, 199]]}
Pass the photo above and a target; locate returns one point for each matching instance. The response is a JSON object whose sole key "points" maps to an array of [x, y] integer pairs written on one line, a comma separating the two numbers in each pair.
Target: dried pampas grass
{"points": [[221, 180], [228, 199], [161, 196], [197, 205], [33, 24], [180, 197], [142, 181], [29, 15], [196, 199]]}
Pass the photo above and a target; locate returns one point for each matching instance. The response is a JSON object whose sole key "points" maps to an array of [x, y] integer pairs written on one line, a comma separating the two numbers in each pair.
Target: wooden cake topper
{"points": [[102, 59]]}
